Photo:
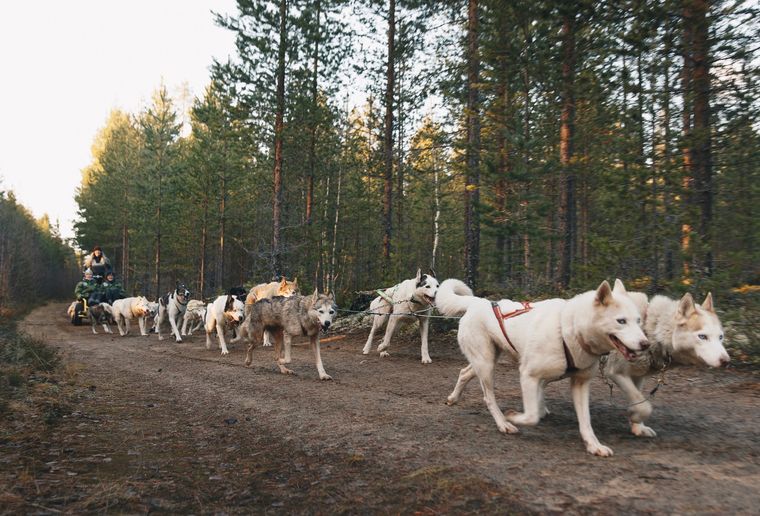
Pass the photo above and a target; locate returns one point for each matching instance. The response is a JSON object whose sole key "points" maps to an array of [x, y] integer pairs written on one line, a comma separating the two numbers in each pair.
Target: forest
{"points": [[527, 147]]}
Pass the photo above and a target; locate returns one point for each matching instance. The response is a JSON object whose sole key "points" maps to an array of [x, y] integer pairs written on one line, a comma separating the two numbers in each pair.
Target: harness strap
{"points": [[571, 367], [502, 317]]}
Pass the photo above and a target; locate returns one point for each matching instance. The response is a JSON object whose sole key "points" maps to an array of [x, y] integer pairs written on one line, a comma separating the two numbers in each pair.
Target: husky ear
{"points": [[603, 294], [685, 307], [228, 305], [295, 282], [283, 282], [707, 304], [315, 296], [419, 275], [619, 288]]}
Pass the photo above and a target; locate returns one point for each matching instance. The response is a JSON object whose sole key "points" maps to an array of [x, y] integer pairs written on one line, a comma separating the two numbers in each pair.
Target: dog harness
{"points": [[571, 367], [503, 317]]}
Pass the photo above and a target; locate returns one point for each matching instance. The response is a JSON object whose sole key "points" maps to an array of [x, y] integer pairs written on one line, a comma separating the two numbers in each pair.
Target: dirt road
{"points": [[160, 426]]}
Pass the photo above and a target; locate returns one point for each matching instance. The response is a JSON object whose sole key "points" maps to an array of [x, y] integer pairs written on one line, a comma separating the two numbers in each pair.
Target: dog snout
{"points": [[724, 360], [326, 324], [644, 344]]}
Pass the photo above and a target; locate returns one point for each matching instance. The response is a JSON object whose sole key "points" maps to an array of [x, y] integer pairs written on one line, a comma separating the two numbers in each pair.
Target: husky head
{"points": [[323, 308], [234, 310], [141, 307], [287, 288], [617, 320], [426, 287], [152, 308], [698, 334], [181, 293]]}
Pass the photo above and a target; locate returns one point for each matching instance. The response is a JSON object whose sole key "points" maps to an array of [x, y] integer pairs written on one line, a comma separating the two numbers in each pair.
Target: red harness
{"points": [[503, 317], [571, 367]]}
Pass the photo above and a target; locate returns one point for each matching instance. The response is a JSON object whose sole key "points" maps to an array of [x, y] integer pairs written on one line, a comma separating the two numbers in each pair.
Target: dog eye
{"points": [[638, 321], [702, 336], [333, 311], [621, 321], [721, 337]]}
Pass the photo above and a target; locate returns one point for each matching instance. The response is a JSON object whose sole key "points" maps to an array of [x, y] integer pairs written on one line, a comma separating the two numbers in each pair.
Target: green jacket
{"points": [[113, 290], [84, 288]]}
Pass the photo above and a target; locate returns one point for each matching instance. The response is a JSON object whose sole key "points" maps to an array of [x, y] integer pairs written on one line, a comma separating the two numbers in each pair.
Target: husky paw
{"points": [[520, 418], [179, 340], [451, 400], [426, 360], [325, 377], [266, 345], [508, 428], [160, 337], [599, 450], [382, 346], [225, 352], [384, 354], [285, 370], [641, 430], [365, 351], [248, 362]]}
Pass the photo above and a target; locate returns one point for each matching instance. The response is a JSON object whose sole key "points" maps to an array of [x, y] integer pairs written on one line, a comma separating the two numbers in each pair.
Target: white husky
{"points": [[225, 312], [681, 332], [195, 314], [124, 310], [551, 340], [413, 296]]}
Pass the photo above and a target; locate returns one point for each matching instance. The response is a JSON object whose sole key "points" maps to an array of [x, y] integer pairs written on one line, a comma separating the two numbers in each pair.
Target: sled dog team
{"points": [[550, 340]]}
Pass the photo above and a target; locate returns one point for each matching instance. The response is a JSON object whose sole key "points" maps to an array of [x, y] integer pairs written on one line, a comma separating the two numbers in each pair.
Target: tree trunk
{"points": [[472, 182], [278, 126], [219, 276], [702, 141], [125, 256], [688, 174], [204, 243], [567, 130], [314, 123], [388, 143]]}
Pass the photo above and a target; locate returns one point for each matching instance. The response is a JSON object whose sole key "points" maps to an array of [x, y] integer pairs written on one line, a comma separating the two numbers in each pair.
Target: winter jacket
{"points": [[98, 266], [84, 288]]}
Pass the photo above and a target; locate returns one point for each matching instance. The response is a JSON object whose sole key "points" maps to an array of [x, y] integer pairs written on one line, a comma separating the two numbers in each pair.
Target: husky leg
{"points": [[141, 323], [318, 359], [465, 375], [106, 328], [160, 316], [639, 407], [175, 330], [482, 355], [210, 326], [185, 320], [542, 410], [222, 342], [126, 326], [267, 339], [392, 322], [279, 338], [580, 386], [119, 325], [532, 393], [254, 335], [242, 333], [424, 325], [378, 321]]}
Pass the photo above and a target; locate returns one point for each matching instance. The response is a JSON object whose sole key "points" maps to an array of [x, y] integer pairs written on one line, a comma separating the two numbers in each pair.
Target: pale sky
{"points": [[66, 65]]}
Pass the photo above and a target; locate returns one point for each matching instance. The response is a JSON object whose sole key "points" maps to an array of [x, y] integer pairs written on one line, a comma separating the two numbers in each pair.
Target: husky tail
{"points": [[453, 298]]}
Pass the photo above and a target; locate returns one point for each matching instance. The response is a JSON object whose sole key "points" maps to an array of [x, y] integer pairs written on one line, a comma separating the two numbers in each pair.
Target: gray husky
{"points": [[286, 317], [681, 332]]}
